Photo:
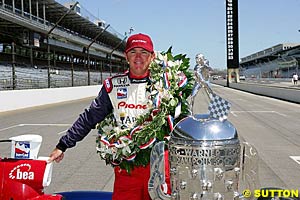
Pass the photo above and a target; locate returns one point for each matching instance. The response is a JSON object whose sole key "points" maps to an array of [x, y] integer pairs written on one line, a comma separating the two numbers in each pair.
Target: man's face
{"points": [[139, 60]]}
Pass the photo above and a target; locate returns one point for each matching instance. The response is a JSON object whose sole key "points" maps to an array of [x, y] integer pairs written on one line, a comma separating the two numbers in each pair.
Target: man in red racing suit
{"points": [[124, 96]]}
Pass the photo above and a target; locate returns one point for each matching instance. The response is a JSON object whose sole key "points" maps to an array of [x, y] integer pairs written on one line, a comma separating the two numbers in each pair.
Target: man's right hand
{"points": [[56, 155]]}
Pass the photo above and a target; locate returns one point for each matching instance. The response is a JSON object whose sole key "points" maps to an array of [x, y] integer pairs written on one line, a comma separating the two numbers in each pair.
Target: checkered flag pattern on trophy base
{"points": [[218, 107]]}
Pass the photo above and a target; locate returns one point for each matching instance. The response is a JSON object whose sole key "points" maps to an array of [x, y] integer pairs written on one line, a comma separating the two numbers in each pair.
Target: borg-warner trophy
{"points": [[207, 158]]}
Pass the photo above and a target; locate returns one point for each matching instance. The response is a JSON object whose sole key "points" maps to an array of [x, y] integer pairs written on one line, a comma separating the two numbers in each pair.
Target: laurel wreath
{"points": [[170, 85]]}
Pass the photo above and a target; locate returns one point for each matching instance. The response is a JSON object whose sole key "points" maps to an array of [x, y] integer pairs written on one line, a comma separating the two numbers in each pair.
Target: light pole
{"points": [[87, 50], [48, 45], [110, 54]]}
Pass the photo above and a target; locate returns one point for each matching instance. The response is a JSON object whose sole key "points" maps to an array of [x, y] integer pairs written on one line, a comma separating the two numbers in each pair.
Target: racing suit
{"points": [[125, 96]]}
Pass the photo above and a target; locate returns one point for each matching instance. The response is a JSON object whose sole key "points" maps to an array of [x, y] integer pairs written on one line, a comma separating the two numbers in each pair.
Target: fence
{"points": [[33, 78], [28, 68]]}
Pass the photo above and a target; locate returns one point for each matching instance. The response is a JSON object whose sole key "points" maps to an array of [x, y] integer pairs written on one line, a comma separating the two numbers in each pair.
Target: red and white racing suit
{"points": [[129, 100], [125, 96]]}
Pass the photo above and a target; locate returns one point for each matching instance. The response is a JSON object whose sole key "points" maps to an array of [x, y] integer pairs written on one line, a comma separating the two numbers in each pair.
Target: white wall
{"points": [[292, 95], [17, 99]]}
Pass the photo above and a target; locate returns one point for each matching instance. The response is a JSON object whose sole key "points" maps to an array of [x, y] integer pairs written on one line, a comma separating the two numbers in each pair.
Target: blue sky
{"points": [[198, 26]]}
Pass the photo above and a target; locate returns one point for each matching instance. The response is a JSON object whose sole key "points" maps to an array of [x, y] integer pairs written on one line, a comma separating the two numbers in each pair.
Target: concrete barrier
{"points": [[283, 93], [18, 99]]}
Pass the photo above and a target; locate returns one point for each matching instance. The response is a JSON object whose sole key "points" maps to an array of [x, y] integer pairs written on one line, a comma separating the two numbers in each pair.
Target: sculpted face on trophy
{"points": [[202, 67], [207, 159]]}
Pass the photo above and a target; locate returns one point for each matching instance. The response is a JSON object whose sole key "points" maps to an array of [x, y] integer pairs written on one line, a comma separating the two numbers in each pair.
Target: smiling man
{"points": [[139, 54], [124, 97]]}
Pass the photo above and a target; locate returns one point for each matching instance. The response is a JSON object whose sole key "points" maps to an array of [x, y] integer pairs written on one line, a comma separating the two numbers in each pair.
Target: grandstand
{"points": [[46, 44], [279, 61]]}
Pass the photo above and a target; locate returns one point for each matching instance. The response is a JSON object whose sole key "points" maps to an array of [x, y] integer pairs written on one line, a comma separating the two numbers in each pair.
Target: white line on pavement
{"points": [[45, 124], [296, 159], [256, 111], [233, 113], [4, 129], [59, 133], [18, 125], [280, 114]]}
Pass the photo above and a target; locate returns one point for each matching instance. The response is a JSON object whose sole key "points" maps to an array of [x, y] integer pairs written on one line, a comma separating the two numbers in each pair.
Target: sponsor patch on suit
{"points": [[122, 93]]}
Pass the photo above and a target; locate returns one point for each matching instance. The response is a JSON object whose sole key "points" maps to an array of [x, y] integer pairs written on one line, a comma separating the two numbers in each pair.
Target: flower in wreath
{"points": [[171, 84]]}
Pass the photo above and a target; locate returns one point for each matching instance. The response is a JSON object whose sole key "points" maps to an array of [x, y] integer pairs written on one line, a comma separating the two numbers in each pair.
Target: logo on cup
{"points": [[22, 149]]}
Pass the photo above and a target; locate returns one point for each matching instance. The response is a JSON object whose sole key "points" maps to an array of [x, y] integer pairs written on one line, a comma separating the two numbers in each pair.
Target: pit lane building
{"points": [[279, 61], [46, 44]]}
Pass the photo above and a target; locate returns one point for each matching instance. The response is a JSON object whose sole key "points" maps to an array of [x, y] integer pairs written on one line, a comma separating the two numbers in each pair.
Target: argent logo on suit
{"points": [[122, 80]]}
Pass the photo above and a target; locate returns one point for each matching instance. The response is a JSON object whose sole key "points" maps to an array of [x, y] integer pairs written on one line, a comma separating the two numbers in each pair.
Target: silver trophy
{"points": [[207, 158]]}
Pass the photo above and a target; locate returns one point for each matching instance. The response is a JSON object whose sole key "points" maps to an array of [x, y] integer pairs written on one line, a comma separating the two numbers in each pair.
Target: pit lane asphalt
{"points": [[272, 126]]}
